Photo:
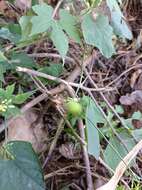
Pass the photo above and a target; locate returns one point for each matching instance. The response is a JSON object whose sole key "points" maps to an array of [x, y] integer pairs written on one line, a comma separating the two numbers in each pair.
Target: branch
{"points": [[59, 80], [86, 157], [50, 55], [121, 168]]}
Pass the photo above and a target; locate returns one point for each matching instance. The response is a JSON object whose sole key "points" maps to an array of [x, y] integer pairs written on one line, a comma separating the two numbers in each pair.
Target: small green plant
{"points": [[9, 101]]}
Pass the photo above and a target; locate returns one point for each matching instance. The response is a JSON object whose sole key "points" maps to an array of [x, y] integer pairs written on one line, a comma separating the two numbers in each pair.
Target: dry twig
{"points": [[59, 80], [121, 168], [86, 157], [54, 142], [50, 55]]}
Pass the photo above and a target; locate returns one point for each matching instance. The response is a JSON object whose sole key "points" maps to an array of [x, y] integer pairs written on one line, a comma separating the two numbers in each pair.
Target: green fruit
{"points": [[73, 107]]}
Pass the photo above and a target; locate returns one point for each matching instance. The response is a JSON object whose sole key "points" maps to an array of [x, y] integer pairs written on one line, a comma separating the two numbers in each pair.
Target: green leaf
{"points": [[2, 71], [59, 39], [53, 69], [43, 20], [22, 60], [15, 29], [137, 133], [23, 170], [98, 33], [9, 90], [137, 115], [2, 57], [2, 94], [34, 2], [6, 34], [26, 26], [17, 59], [119, 109], [110, 155], [118, 21], [11, 111], [69, 24], [93, 117], [21, 98], [128, 123]]}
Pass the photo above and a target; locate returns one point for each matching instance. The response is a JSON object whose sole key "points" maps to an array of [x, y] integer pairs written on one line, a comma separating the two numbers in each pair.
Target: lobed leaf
{"points": [[98, 33], [118, 21], [43, 20], [59, 39]]}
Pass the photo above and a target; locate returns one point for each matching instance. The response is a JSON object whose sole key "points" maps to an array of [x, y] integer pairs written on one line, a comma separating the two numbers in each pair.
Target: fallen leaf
{"points": [[138, 85], [20, 129], [67, 150], [52, 2], [3, 6], [135, 77], [133, 98], [23, 4], [7, 10], [137, 124]]}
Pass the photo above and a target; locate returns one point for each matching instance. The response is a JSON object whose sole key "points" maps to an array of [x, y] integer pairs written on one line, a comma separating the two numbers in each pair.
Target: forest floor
{"points": [[118, 84]]}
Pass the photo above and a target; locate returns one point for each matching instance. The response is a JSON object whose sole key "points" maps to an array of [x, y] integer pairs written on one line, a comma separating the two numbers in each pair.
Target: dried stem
{"points": [[50, 55], [57, 8], [121, 168], [59, 80], [124, 73], [86, 157], [54, 142]]}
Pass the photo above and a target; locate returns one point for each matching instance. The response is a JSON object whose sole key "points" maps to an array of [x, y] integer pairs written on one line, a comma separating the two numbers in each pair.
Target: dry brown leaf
{"points": [[133, 98], [7, 11], [67, 150], [137, 123], [52, 2], [20, 129], [23, 4], [135, 77], [138, 85], [102, 9], [3, 6]]}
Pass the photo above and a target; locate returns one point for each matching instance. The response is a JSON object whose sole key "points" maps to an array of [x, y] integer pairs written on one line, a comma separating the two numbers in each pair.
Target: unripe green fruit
{"points": [[73, 107]]}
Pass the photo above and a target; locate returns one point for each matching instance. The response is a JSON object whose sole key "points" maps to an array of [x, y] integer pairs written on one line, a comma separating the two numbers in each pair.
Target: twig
{"points": [[50, 55], [74, 74], [112, 171], [93, 174], [86, 157], [59, 80], [125, 72], [58, 171], [38, 84], [121, 168], [54, 142], [57, 8]]}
